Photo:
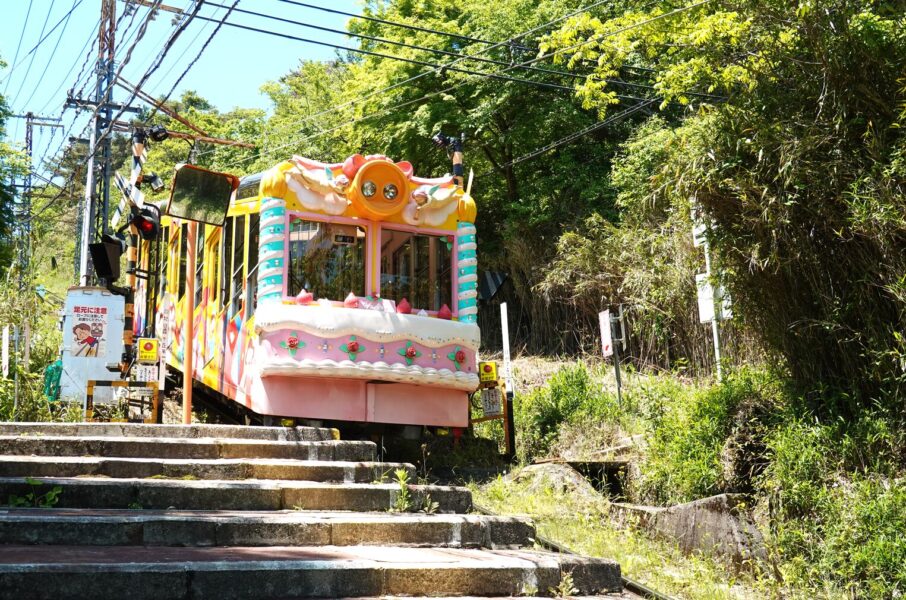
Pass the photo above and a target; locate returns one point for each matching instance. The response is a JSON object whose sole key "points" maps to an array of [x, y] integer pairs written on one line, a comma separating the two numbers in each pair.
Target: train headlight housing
{"points": [[369, 189], [390, 191]]}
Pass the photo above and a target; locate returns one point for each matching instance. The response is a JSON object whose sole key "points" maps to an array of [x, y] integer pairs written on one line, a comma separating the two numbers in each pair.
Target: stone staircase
{"points": [[215, 511]]}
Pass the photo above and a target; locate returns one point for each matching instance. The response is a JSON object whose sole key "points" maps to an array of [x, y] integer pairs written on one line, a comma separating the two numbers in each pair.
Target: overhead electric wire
{"points": [[31, 62], [435, 70], [197, 56], [19, 45], [476, 58], [52, 54], [392, 23], [432, 94], [572, 137], [91, 36], [41, 41], [392, 57], [180, 27]]}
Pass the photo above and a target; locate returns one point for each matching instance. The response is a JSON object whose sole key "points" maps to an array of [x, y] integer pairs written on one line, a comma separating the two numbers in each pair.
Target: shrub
{"points": [[689, 428], [838, 506], [570, 396]]}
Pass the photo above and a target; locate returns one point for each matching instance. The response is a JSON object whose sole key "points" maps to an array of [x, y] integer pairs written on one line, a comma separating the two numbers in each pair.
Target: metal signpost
{"points": [[713, 302], [508, 381]]}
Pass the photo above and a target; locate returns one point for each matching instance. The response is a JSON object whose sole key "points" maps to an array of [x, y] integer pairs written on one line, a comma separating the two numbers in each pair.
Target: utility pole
{"points": [[96, 204], [24, 234]]}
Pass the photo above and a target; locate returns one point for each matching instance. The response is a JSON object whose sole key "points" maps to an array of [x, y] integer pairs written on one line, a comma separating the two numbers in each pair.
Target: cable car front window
{"points": [[326, 259]]}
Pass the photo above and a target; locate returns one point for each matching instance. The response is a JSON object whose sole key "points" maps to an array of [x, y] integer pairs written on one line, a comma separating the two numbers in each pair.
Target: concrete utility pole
{"points": [[96, 205]]}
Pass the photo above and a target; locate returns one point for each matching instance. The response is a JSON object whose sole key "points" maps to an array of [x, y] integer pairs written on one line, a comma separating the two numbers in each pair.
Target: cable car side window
{"points": [[326, 259], [238, 264]]}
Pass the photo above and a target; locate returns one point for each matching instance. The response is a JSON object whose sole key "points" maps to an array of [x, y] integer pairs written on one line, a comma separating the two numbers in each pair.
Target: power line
{"points": [[432, 94], [52, 54], [355, 101], [394, 23], [197, 56], [91, 37], [396, 58], [180, 27], [380, 40], [31, 62], [573, 136], [21, 37], [41, 41]]}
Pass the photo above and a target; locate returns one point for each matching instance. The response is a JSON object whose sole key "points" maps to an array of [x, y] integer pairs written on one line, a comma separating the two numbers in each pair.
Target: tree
{"points": [[800, 169]]}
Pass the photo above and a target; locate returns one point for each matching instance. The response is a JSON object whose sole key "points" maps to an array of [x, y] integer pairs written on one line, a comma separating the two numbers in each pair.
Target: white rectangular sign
{"points": [[491, 402], [606, 333], [505, 330], [5, 351], [707, 302]]}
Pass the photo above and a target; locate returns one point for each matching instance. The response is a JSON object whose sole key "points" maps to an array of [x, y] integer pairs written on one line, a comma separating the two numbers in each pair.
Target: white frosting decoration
{"points": [[468, 310], [272, 220], [375, 325], [437, 208], [274, 237], [273, 271], [330, 203], [365, 370], [467, 230], [467, 294], [468, 278], [468, 262], [468, 246]]}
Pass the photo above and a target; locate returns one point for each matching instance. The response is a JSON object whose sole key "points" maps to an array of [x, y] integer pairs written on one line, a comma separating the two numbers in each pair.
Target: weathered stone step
{"points": [[160, 573], [93, 527], [139, 447], [101, 492], [280, 434], [217, 468]]}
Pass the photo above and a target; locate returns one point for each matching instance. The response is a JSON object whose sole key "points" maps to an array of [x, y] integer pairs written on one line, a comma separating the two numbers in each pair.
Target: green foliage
{"points": [[838, 501], [570, 396], [800, 170], [402, 501], [689, 431], [33, 499]]}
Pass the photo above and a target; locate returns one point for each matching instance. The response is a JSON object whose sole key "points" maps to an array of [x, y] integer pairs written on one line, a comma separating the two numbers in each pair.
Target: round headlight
{"points": [[390, 191], [368, 189]]}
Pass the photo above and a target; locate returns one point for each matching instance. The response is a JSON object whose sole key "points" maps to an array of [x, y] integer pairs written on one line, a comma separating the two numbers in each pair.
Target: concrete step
{"points": [[279, 434], [92, 527], [160, 573], [149, 447], [216, 468], [101, 492]]}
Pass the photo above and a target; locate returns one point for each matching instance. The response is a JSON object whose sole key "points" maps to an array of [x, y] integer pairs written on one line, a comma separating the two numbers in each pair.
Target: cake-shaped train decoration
{"points": [[332, 292]]}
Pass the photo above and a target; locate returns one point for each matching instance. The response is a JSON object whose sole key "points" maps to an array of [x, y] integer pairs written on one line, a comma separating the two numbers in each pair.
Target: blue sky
{"points": [[229, 73]]}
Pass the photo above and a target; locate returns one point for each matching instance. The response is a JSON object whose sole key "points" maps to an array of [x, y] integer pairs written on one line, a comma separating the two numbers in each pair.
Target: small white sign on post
{"points": [[5, 351], [606, 333], [491, 402], [699, 227], [707, 301], [505, 331]]}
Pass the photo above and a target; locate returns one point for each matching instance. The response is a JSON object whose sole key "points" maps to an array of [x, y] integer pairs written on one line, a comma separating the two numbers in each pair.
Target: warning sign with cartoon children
{"points": [[88, 334]]}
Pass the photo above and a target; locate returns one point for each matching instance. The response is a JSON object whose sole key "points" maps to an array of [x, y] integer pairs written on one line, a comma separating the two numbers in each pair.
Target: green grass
{"points": [[585, 526], [828, 491]]}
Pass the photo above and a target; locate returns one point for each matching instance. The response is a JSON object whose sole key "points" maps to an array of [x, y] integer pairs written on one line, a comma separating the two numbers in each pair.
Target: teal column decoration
{"points": [[271, 250], [467, 272]]}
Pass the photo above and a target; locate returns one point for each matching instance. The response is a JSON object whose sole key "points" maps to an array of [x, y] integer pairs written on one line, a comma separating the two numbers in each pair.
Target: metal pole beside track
{"points": [[189, 323]]}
